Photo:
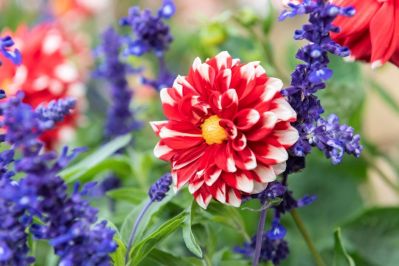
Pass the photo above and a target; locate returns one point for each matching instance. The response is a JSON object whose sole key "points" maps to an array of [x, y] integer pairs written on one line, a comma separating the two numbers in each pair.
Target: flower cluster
{"points": [[309, 77], [274, 250], [151, 34], [66, 221], [121, 119], [13, 237]]}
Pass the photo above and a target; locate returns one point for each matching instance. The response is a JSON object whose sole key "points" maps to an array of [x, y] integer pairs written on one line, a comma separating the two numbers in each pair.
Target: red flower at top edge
{"points": [[372, 34], [228, 130]]}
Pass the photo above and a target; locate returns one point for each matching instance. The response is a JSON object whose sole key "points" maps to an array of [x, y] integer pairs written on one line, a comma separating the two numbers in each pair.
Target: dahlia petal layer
{"points": [[228, 130]]}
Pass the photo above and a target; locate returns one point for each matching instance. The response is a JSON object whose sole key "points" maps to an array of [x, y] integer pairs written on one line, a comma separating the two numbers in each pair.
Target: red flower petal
{"points": [[245, 159], [224, 159], [246, 118]]}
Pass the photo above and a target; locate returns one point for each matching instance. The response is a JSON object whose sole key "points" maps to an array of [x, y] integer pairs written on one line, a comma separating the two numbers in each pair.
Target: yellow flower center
{"points": [[212, 132]]}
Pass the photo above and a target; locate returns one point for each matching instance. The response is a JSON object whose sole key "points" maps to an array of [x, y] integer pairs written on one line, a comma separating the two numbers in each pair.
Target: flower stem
{"points": [[380, 172], [298, 221], [135, 228], [259, 237]]}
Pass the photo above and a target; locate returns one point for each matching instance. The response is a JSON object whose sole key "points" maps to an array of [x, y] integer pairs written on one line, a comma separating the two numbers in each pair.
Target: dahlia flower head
{"points": [[228, 130], [372, 34], [47, 71]]}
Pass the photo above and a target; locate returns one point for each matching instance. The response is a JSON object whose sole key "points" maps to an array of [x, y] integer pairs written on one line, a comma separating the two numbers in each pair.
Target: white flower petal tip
{"points": [[350, 59], [376, 64], [203, 202]]}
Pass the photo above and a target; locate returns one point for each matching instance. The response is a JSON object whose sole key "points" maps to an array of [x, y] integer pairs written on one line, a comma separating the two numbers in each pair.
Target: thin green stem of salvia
{"points": [[316, 255], [381, 173], [135, 228], [259, 237]]}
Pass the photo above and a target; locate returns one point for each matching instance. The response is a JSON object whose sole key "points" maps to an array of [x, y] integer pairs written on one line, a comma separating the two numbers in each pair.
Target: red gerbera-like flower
{"points": [[228, 130], [372, 34], [47, 71]]}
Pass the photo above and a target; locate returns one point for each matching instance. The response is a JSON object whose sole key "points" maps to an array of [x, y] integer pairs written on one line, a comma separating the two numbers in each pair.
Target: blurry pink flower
{"points": [[47, 71]]}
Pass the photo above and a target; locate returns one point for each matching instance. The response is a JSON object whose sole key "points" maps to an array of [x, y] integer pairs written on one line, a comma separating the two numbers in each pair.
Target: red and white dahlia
{"points": [[47, 71], [372, 34], [228, 130]]}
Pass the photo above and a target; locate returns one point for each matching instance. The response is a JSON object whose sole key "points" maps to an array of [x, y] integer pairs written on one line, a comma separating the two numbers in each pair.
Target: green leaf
{"points": [[119, 165], [160, 257], [374, 235], [132, 216], [188, 236], [78, 170], [145, 246], [338, 198], [268, 22], [341, 256], [118, 257], [228, 216], [347, 80], [131, 195], [384, 94]]}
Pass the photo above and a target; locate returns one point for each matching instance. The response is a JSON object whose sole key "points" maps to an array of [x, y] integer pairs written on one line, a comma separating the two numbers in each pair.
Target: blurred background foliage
{"points": [[359, 196]]}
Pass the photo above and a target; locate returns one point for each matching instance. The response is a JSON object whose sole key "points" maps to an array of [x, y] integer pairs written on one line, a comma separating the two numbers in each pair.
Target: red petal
{"points": [[218, 191], [240, 142], [224, 158], [246, 118], [212, 174], [157, 125], [244, 182], [263, 127], [265, 174], [365, 10], [229, 104], [285, 134], [384, 32], [184, 174], [269, 154], [233, 197], [283, 110], [180, 135], [188, 156], [245, 159], [203, 197], [229, 127]]}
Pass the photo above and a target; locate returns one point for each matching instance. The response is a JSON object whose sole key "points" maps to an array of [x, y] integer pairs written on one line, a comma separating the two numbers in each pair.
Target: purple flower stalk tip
{"points": [[120, 117], [309, 77], [151, 35], [158, 190]]}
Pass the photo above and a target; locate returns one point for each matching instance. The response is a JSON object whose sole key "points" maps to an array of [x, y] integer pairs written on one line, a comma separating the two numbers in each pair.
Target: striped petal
{"points": [[246, 118]]}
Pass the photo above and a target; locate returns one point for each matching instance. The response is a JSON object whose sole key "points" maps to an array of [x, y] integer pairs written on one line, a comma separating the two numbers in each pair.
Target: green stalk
{"points": [[381, 173], [316, 255]]}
